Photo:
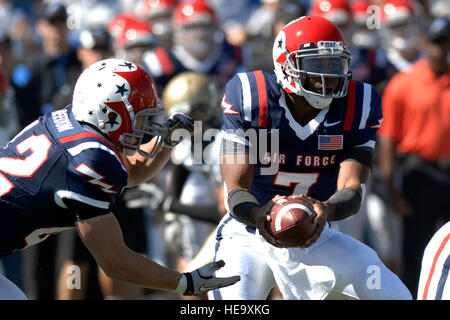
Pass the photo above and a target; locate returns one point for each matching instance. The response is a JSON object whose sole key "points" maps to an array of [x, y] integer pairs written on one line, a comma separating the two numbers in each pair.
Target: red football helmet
{"points": [[312, 46], [361, 35], [118, 97], [195, 26], [154, 8], [159, 14], [337, 11], [129, 31], [400, 24]]}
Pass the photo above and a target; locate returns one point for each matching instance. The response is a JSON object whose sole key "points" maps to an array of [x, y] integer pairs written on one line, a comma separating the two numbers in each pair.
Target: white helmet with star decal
{"points": [[119, 98]]}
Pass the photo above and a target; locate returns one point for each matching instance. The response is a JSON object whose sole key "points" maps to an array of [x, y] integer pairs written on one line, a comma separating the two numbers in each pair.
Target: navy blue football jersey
{"points": [[289, 158], [53, 173]]}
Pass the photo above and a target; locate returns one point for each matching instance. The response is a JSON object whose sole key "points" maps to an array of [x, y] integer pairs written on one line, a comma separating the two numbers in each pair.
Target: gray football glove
{"points": [[202, 280], [177, 121]]}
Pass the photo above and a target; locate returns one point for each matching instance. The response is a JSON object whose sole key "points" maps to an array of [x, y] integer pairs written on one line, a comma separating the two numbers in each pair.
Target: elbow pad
{"points": [[347, 201], [240, 202]]}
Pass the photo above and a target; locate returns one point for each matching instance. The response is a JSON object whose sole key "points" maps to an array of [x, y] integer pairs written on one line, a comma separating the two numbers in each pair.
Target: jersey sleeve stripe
{"points": [[60, 195], [87, 134], [93, 145], [367, 99], [350, 105], [246, 96], [433, 266], [31, 125], [262, 96], [370, 144]]}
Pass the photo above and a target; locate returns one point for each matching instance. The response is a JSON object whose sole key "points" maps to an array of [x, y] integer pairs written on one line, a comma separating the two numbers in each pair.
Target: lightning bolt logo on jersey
{"points": [[52, 174], [307, 157]]}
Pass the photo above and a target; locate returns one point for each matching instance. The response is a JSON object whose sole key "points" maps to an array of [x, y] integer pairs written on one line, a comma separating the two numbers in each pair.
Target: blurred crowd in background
{"points": [[191, 49]]}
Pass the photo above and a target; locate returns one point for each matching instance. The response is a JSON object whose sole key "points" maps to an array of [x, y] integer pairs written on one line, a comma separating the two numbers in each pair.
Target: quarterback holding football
{"points": [[327, 125]]}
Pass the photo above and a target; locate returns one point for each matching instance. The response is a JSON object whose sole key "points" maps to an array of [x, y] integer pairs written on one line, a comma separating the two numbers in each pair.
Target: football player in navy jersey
{"points": [[308, 131], [199, 45], [68, 168]]}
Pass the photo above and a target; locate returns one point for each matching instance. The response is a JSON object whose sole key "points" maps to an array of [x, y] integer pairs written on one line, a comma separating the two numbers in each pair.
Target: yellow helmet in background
{"points": [[195, 95]]}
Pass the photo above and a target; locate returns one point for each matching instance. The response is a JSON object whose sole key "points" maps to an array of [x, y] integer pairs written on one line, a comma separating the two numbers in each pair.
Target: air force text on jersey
{"points": [[262, 146]]}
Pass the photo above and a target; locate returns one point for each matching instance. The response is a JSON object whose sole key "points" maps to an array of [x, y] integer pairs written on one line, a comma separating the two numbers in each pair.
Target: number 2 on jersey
{"points": [[39, 146]]}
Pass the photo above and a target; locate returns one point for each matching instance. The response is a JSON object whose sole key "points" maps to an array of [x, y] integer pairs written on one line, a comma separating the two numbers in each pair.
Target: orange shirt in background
{"points": [[416, 109]]}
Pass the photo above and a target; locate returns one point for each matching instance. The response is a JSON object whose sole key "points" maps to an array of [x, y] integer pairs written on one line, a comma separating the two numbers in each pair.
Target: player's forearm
{"points": [[142, 168], [136, 269]]}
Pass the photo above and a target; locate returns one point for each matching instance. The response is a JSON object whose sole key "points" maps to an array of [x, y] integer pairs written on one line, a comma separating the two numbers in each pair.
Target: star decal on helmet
{"points": [[129, 65], [121, 89], [280, 43], [103, 66], [99, 85]]}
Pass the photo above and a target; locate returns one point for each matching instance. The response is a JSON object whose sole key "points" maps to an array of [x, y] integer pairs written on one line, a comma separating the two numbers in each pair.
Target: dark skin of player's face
{"points": [[301, 110]]}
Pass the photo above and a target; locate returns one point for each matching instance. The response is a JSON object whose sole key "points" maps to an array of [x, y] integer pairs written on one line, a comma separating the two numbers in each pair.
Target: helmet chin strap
{"points": [[318, 102], [315, 101]]}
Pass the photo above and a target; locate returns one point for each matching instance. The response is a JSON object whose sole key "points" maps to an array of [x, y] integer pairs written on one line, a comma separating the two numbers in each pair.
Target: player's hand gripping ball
{"points": [[292, 222]]}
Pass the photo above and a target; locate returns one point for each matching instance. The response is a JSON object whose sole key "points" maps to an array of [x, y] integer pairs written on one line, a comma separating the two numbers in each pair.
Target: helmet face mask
{"points": [[315, 67], [119, 99]]}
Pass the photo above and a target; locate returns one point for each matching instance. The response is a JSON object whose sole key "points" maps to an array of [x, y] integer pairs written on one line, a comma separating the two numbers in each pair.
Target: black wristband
{"points": [[347, 202], [240, 202], [190, 284]]}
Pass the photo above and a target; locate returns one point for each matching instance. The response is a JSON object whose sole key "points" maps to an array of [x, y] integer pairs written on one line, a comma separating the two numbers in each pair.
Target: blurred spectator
{"points": [[45, 82], [232, 16], [15, 23], [90, 14], [368, 62], [95, 45], [261, 30], [416, 106], [159, 14], [132, 38], [400, 21], [9, 121], [9, 126], [200, 44], [287, 11]]}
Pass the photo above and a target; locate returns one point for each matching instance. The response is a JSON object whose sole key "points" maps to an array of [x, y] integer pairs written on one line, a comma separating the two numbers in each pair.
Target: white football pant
{"points": [[434, 281], [336, 264]]}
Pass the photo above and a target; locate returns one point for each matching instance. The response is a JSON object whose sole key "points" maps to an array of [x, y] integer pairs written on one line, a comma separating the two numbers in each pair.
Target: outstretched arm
{"points": [[103, 237]]}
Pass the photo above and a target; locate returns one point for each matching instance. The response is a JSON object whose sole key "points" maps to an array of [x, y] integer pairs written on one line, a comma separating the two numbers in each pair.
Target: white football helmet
{"points": [[312, 46], [119, 98]]}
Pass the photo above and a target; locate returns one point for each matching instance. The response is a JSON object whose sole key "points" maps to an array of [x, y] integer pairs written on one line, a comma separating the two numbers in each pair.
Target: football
{"points": [[292, 222]]}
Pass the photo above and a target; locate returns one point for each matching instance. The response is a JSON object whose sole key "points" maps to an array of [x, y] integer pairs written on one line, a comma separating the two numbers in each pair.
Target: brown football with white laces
{"points": [[292, 222]]}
